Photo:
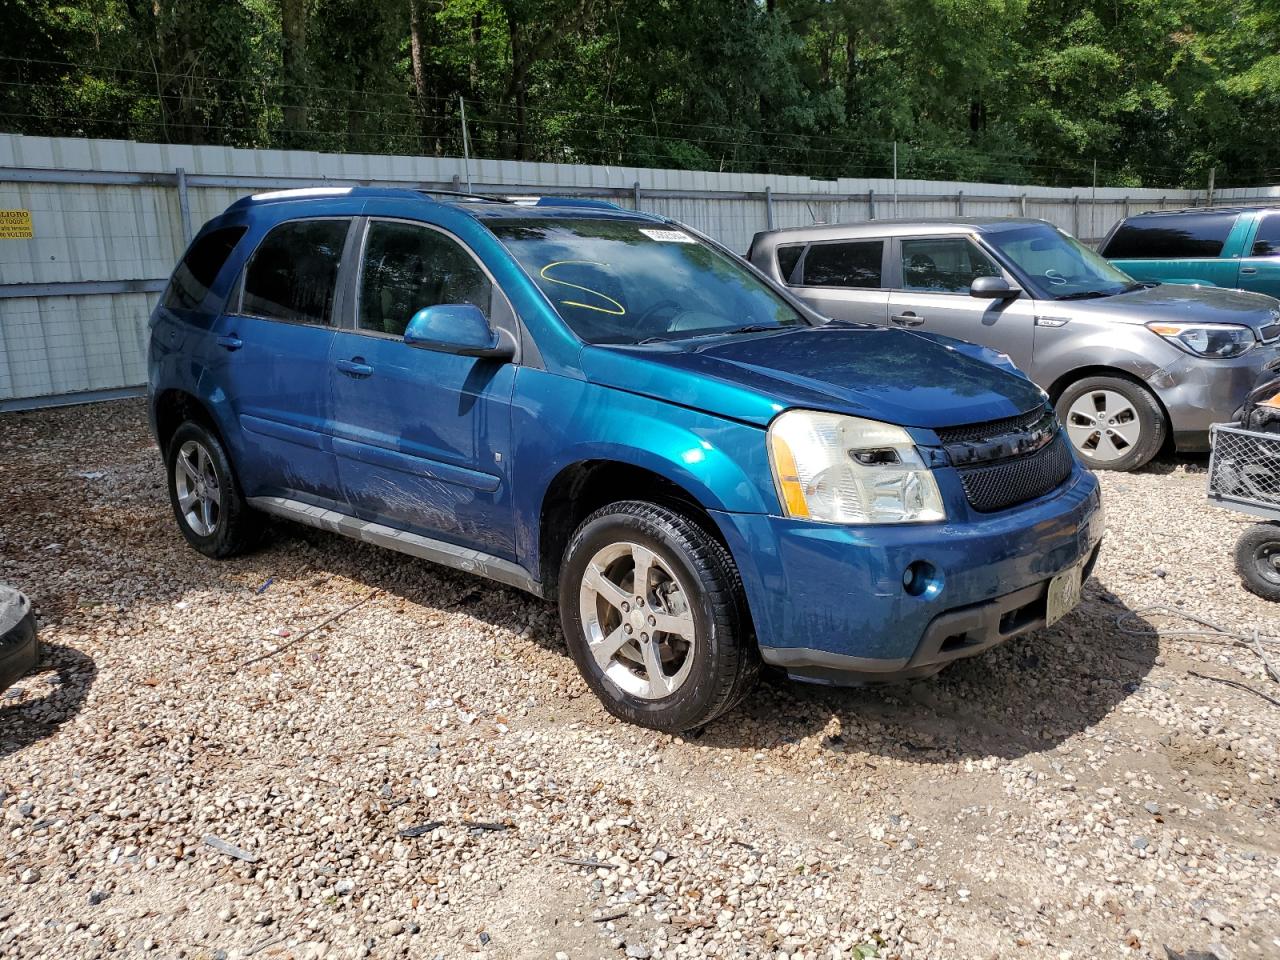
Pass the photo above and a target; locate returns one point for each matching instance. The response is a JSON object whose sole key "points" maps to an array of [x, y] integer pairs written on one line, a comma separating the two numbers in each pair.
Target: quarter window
{"points": [[850, 264], [198, 269], [293, 272], [788, 257], [407, 267], [944, 265], [1267, 241], [1173, 237]]}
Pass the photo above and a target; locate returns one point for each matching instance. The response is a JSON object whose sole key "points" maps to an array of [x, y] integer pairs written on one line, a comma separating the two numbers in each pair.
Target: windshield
{"points": [[623, 281], [1058, 267]]}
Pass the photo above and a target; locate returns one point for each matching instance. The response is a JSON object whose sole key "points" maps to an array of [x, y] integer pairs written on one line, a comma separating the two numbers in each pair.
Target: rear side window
{"points": [[294, 271], [1266, 243], [198, 269], [847, 264], [788, 257], [1170, 238], [407, 267]]}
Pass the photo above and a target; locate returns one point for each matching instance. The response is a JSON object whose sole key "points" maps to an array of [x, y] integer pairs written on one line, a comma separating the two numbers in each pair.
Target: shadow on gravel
{"points": [[1025, 696], [33, 709]]}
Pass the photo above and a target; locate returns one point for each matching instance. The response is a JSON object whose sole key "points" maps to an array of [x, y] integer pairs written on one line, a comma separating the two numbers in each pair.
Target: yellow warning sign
{"points": [[16, 225]]}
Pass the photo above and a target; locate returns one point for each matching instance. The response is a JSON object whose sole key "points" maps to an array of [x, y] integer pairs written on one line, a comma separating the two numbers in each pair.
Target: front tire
{"points": [[206, 498], [1113, 423], [654, 617], [1258, 560]]}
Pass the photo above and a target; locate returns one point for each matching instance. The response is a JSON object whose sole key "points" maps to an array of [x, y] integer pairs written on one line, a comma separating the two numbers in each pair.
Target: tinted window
{"points": [[788, 257], [844, 264], [1170, 237], [407, 267], [293, 272], [627, 281], [945, 265], [1266, 243], [195, 274]]}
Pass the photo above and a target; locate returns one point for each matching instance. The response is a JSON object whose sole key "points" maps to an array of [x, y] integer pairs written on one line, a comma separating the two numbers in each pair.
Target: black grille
{"points": [[998, 486], [992, 428]]}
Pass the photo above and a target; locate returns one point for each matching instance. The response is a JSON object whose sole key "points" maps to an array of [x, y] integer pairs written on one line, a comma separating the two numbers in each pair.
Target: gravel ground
{"points": [[427, 776]]}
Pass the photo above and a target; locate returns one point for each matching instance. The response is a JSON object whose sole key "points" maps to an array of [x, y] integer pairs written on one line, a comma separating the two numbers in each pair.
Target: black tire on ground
{"points": [[1258, 560], [235, 527], [725, 658], [1100, 452], [19, 645]]}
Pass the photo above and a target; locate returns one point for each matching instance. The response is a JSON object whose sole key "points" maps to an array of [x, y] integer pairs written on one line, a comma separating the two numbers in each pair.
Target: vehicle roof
{"points": [[481, 207], [894, 228], [1241, 208]]}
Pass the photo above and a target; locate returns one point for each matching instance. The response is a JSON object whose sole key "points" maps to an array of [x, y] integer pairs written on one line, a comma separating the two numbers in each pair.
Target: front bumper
{"points": [[1198, 392], [828, 602]]}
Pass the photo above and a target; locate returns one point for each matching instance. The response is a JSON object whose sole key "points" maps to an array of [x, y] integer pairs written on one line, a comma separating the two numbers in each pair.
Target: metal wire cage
{"points": [[1244, 470]]}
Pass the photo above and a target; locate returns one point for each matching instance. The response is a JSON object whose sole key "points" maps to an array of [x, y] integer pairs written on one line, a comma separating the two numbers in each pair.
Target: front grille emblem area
{"points": [[1018, 442], [1008, 462]]}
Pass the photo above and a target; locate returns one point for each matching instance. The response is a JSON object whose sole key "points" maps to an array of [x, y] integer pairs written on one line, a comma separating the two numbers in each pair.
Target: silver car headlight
{"points": [[1218, 340], [840, 469]]}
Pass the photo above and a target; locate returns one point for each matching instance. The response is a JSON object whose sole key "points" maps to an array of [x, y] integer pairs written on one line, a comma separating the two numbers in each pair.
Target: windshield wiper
{"points": [[754, 328], [1083, 295]]}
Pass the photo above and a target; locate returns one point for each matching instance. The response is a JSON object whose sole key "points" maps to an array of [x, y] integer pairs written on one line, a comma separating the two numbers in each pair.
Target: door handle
{"points": [[355, 367], [907, 319], [1248, 271], [230, 342]]}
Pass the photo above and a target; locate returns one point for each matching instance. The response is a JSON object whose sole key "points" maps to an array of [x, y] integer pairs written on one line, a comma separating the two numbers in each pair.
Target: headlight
{"points": [[1220, 340], [848, 470]]}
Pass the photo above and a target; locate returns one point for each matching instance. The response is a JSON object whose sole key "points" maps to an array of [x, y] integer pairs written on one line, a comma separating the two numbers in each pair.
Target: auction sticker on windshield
{"points": [[1064, 594], [667, 236]]}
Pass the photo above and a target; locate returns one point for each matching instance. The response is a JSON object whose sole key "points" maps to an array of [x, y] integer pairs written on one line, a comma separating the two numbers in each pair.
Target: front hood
{"points": [[1175, 302], [874, 372]]}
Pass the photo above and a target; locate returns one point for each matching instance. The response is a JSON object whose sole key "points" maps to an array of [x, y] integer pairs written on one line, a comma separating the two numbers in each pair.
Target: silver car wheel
{"points": [[638, 624], [1103, 425], [199, 493]]}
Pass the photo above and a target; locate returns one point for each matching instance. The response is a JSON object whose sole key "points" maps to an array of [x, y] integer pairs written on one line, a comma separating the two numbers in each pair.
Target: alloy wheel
{"points": [[199, 493], [1103, 425], [639, 627]]}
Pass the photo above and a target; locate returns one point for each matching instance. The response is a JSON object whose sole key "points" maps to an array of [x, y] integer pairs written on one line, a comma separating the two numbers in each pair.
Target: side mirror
{"points": [[459, 328], [993, 288]]}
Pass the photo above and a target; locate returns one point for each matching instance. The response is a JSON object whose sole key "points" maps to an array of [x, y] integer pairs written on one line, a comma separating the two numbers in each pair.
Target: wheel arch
{"points": [[173, 407], [1060, 385]]}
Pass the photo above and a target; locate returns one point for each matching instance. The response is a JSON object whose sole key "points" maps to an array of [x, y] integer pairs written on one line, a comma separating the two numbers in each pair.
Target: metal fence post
{"points": [[960, 203], [1075, 216], [1022, 205], [635, 194], [871, 203], [184, 205], [768, 208]]}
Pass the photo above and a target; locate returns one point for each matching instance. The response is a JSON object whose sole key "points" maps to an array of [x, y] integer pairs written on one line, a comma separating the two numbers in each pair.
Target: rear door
{"points": [[276, 337], [1260, 267], [843, 279], [1175, 248], [933, 276], [422, 437]]}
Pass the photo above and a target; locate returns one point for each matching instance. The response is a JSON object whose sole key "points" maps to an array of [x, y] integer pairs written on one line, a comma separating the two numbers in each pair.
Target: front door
{"points": [[1260, 267], [843, 279], [933, 276], [274, 341], [422, 437]]}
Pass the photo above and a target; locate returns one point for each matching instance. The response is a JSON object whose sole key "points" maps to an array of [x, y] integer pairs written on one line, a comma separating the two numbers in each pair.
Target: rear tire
{"points": [[1258, 560], [205, 495], [1112, 423], [670, 680]]}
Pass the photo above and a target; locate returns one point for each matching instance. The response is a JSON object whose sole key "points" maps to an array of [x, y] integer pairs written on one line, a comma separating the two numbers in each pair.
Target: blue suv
{"points": [[613, 411]]}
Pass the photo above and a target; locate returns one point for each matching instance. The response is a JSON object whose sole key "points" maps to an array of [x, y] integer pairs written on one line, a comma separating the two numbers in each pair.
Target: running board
{"points": [[437, 551]]}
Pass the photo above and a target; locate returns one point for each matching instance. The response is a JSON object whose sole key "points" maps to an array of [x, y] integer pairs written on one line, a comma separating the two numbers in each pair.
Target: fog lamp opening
{"points": [[922, 579]]}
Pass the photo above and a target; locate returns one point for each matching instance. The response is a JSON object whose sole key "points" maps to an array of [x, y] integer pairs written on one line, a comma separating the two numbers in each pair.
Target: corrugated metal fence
{"points": [[110, 218]]}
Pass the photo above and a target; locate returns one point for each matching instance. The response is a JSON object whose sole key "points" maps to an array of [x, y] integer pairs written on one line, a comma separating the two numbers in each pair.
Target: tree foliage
{"points": [[1153, 91]]}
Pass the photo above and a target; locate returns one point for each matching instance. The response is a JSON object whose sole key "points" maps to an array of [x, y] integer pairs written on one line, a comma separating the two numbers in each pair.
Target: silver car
{"points": [[1127, 364]]}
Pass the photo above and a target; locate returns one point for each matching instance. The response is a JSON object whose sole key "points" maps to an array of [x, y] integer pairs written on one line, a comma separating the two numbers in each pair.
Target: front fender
{"points": [[560, 421], [1103, 348]]}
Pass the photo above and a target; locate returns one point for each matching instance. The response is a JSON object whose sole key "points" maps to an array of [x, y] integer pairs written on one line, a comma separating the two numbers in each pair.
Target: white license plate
{"points": [[1064, 594]]}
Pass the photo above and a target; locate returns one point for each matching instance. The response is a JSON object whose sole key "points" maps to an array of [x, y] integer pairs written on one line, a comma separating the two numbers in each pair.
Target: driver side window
{"points": [[944, 265], [406, 267]]}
